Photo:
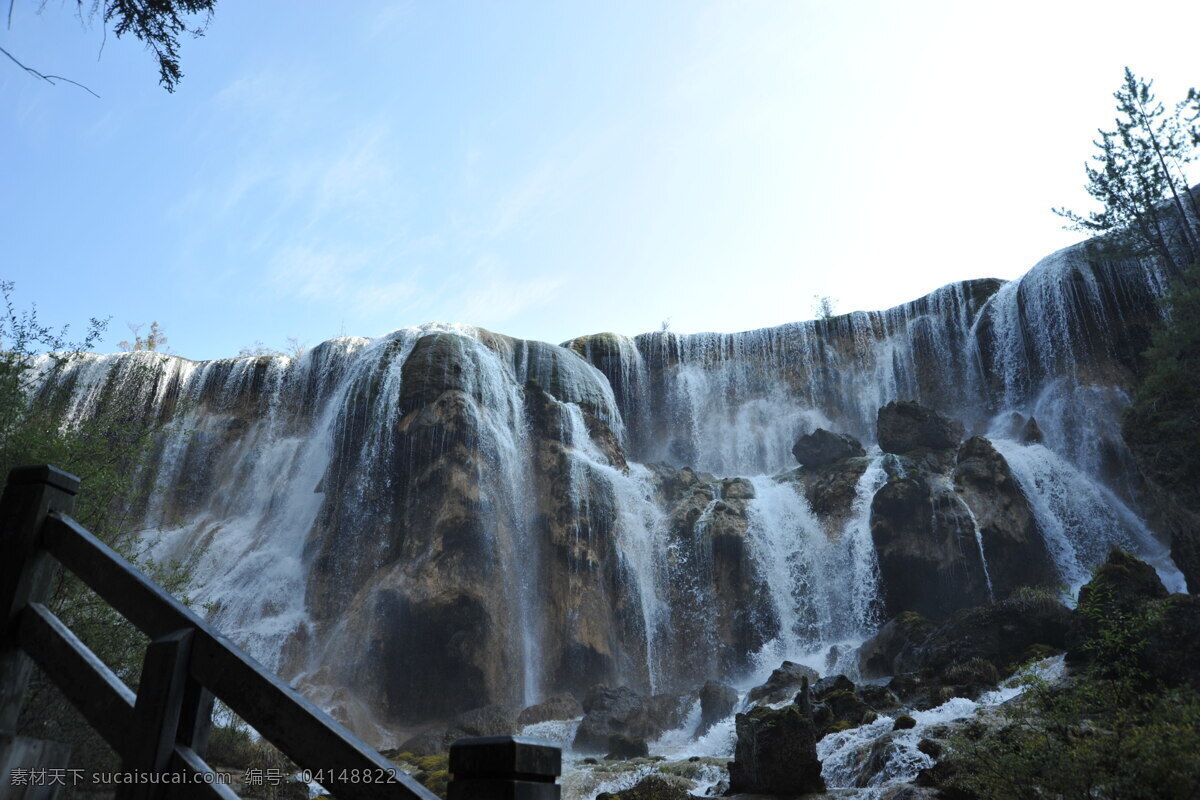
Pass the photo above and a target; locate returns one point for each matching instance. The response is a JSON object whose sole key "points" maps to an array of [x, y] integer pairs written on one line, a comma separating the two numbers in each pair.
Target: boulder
{"points": [[490, 720], [776, 753], [717, 702], [827, 686], [831, 490], [1160, 632], [821, 448], [560, 706], [426, 743], [623, 712], [839, 711], [621, 748], [652, 787], [783, 683], [900, 636], [1001, 634], [1031, 433], [904, 426]]}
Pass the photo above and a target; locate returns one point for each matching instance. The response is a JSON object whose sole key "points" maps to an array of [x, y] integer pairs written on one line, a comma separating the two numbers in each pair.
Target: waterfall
{"points": [[823, 589], [1081, 519], [536, 518]]}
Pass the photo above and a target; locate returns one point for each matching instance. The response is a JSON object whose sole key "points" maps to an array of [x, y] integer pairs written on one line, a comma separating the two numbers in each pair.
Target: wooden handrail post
{"points": [[157, 713], [26, 573], [504, 768]]}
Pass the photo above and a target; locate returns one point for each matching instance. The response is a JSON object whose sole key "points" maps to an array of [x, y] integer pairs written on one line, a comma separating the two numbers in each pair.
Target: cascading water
{"points": [[1081, 519], [823, 588]]}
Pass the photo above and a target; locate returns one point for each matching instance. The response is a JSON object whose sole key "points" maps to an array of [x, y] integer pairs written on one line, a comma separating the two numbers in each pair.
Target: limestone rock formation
{"points": [[929, 559], [821, 448], [904, 426], [560, 706], [776, 753], [717, 702], [895, 643], [1013, 545], [623, 712], [783, 683]]}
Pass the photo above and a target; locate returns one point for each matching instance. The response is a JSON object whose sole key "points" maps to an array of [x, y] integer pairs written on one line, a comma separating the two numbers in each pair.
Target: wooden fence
{"points": [[163, 728]]}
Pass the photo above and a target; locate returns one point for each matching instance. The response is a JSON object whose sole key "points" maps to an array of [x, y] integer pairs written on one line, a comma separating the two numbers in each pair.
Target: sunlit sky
{"points": [[548, 169]]}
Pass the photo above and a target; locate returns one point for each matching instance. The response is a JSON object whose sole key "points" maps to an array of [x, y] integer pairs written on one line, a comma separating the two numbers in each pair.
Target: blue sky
{"points": [[548, 170]]}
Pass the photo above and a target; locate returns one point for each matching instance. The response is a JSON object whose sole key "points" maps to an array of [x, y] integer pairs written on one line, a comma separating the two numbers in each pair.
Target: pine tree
{"points": [[1139, 178]]}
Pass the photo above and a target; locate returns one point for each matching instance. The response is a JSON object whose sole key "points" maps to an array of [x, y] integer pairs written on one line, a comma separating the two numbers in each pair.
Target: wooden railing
{"points": [[164, 727]]}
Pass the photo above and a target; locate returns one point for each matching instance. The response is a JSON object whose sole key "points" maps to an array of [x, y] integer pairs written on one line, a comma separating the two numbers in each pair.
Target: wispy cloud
{"points": [[494, 294]]}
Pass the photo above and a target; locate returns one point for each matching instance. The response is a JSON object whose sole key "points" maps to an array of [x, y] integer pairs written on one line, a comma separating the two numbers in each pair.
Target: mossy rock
{"points": [[432, 772], [652, 787], [904, 722]]}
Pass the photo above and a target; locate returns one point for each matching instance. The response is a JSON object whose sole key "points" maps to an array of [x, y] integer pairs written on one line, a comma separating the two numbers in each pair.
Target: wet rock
{"points": [[621, 748], [931, 748], [1012, 542], [776, 753], [839, 711], [652, 787], [709, 515], [924, 538], [560, 706], [783, 683], [904, 426], [1031, 433], [490, 720], [821, 448], [426, 743], [976, 673], [827, 686], [899, 636], [880, 698], [999, 634], [831, 490], [737, 489], [623, 712], [1162, 631], [717, 702], [904, 722]]}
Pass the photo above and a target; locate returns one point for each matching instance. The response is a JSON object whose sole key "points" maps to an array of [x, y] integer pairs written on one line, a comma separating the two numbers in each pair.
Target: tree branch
{"points": [[47, 78]]}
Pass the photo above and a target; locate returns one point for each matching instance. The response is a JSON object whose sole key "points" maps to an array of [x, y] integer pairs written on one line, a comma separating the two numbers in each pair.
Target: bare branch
{"points": [[47, 78]]}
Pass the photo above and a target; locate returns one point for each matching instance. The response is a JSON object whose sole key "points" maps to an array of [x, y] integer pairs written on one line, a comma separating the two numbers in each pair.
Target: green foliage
{"points": [[1140, 181], [158, 24], [1111, 733], [230, 746], [107, 449], [1161, 425]]}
